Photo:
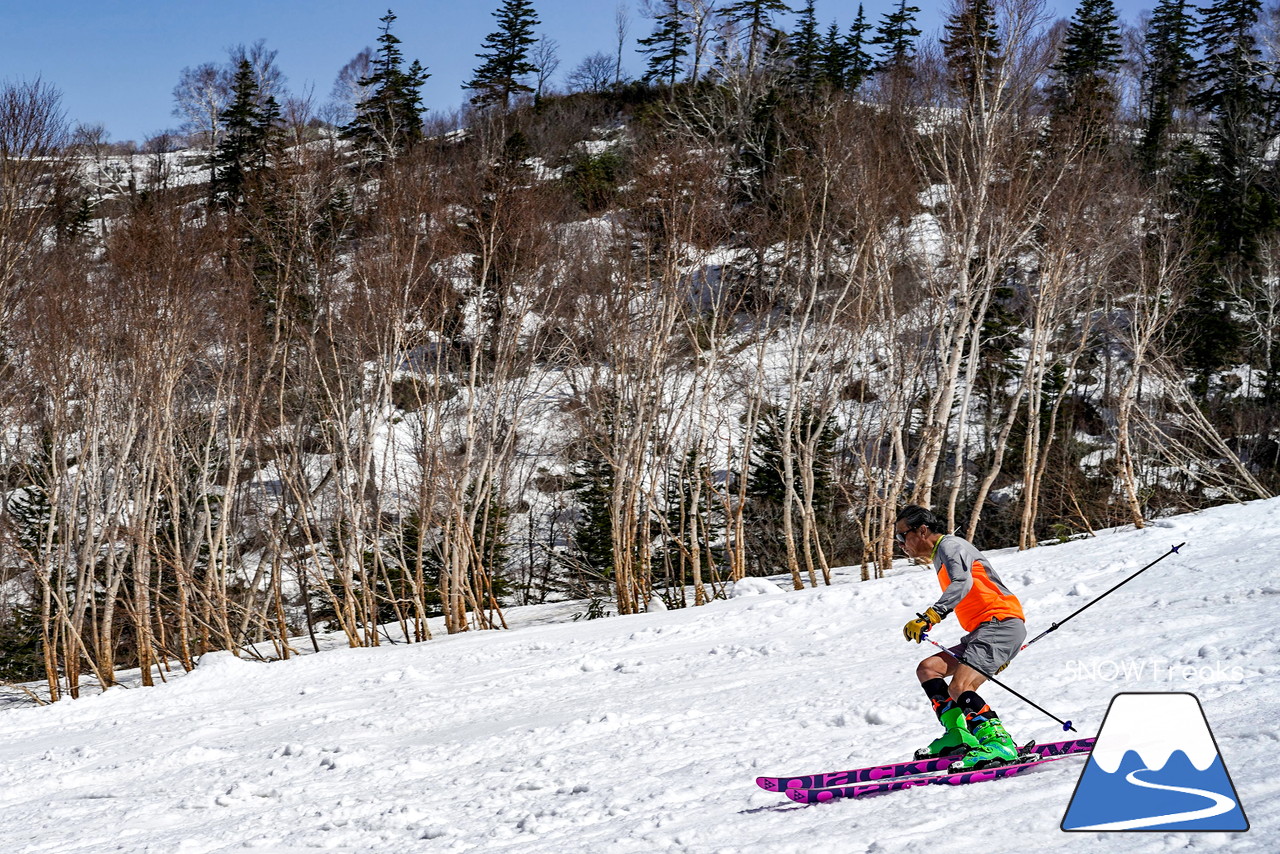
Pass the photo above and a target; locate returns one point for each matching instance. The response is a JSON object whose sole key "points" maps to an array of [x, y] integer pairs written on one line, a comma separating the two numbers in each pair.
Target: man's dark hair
{"points": [[915, 516]]}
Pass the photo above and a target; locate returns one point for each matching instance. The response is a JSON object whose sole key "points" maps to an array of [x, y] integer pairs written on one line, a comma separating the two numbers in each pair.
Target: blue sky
{"points": [[116, 61]]}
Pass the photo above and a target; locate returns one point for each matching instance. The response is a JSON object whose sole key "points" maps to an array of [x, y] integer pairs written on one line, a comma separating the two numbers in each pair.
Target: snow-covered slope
{"points": [[645, 733]]}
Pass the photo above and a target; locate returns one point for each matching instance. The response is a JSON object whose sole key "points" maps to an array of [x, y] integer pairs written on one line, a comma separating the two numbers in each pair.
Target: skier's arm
{"points": [[960, 583]]}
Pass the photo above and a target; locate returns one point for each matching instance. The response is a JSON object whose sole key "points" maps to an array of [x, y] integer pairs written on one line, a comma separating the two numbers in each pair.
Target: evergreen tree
{"points": [[972, 48], [861, 65], [667, 46], [1169, 74], [248, 131], [404, 565], [21, 644], [1002, 332], [31, 515], [806, 52], [30, 522], [592, 538], [506, 58], [833, 65], [381, 582], [72, 212], [671, 559], [389, 120], [1233, 81], [766, 485], [756, 17], [1082, 95], [896, 36], [409, 558], [759, 164], [490, 534], [1234, 204]]}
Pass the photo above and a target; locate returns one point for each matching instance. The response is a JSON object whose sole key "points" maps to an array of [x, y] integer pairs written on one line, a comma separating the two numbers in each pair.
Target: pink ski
{"points": [[905, 769], [817, 796]]}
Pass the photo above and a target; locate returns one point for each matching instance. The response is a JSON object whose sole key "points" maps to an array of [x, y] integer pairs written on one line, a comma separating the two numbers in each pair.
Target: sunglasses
{"points": [[900, 537]]}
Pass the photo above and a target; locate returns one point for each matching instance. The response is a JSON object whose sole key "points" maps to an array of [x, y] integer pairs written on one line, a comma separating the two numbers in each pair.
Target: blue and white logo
{"points": [[1155, 766]]}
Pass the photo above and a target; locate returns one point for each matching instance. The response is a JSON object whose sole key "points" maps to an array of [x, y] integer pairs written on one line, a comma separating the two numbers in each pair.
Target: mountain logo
{"points": [[1156, 766]]}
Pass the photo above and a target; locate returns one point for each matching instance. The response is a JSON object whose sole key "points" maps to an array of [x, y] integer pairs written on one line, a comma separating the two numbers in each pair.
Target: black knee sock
{"points": [[936, 690], [976, 711]]}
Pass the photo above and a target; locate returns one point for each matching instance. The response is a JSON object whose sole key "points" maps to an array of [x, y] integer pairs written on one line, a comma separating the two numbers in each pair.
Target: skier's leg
{"points": [[976, 710], [994, 744], [966, 679], [990, 647], [938, 666], [933, 673], [956, 737]]}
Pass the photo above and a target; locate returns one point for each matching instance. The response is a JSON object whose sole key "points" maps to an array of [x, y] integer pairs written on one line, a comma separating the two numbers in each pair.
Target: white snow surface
{"points": [[753, 587], [645, 733]]}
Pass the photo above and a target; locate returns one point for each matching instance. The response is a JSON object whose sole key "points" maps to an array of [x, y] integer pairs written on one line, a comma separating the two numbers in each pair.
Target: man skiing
{"points": [[992, 617]]}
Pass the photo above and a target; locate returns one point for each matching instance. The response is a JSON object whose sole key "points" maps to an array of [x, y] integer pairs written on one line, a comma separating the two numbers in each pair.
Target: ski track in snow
{"points": [[646, 733]]}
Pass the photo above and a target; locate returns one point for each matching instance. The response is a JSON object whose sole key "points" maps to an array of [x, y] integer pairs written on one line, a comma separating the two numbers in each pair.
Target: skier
{"points": [[992, 617]]}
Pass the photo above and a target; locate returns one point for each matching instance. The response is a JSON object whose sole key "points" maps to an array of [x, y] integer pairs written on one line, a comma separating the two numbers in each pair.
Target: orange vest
{"points": [[984, 601]]}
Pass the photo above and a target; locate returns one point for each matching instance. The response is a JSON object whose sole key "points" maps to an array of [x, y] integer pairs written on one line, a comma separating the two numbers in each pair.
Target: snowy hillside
{"points": [[645, 733]]}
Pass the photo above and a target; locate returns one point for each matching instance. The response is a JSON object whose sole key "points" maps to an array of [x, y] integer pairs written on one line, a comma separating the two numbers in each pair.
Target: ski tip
{"points": [[813, 796], [769, 784]]}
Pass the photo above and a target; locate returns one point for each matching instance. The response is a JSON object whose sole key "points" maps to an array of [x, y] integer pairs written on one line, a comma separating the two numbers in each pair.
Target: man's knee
{"points": [[932, 667]]}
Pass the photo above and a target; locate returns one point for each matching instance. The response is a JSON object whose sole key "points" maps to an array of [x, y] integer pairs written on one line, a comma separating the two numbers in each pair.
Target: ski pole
{"points": [[1173, 550], [1066, 725]]}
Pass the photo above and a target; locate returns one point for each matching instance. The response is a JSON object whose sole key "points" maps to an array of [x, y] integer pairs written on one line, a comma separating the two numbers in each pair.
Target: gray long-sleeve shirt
{"points": [[970, 585]]}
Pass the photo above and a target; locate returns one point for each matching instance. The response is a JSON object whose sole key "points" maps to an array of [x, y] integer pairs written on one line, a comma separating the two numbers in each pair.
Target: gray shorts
{"points": [[992, 645]]}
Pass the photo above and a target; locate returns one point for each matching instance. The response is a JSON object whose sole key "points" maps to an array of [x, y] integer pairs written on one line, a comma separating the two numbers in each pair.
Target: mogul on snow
{"points": [[992, 617]]}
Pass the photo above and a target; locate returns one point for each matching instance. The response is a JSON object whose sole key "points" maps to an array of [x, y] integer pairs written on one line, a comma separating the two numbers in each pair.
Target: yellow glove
{"points": [[915, 629]]}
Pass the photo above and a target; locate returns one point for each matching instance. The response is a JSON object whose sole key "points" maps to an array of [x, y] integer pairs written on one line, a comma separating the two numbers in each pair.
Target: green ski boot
{"points": [[995, 747], [956, 740]]}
